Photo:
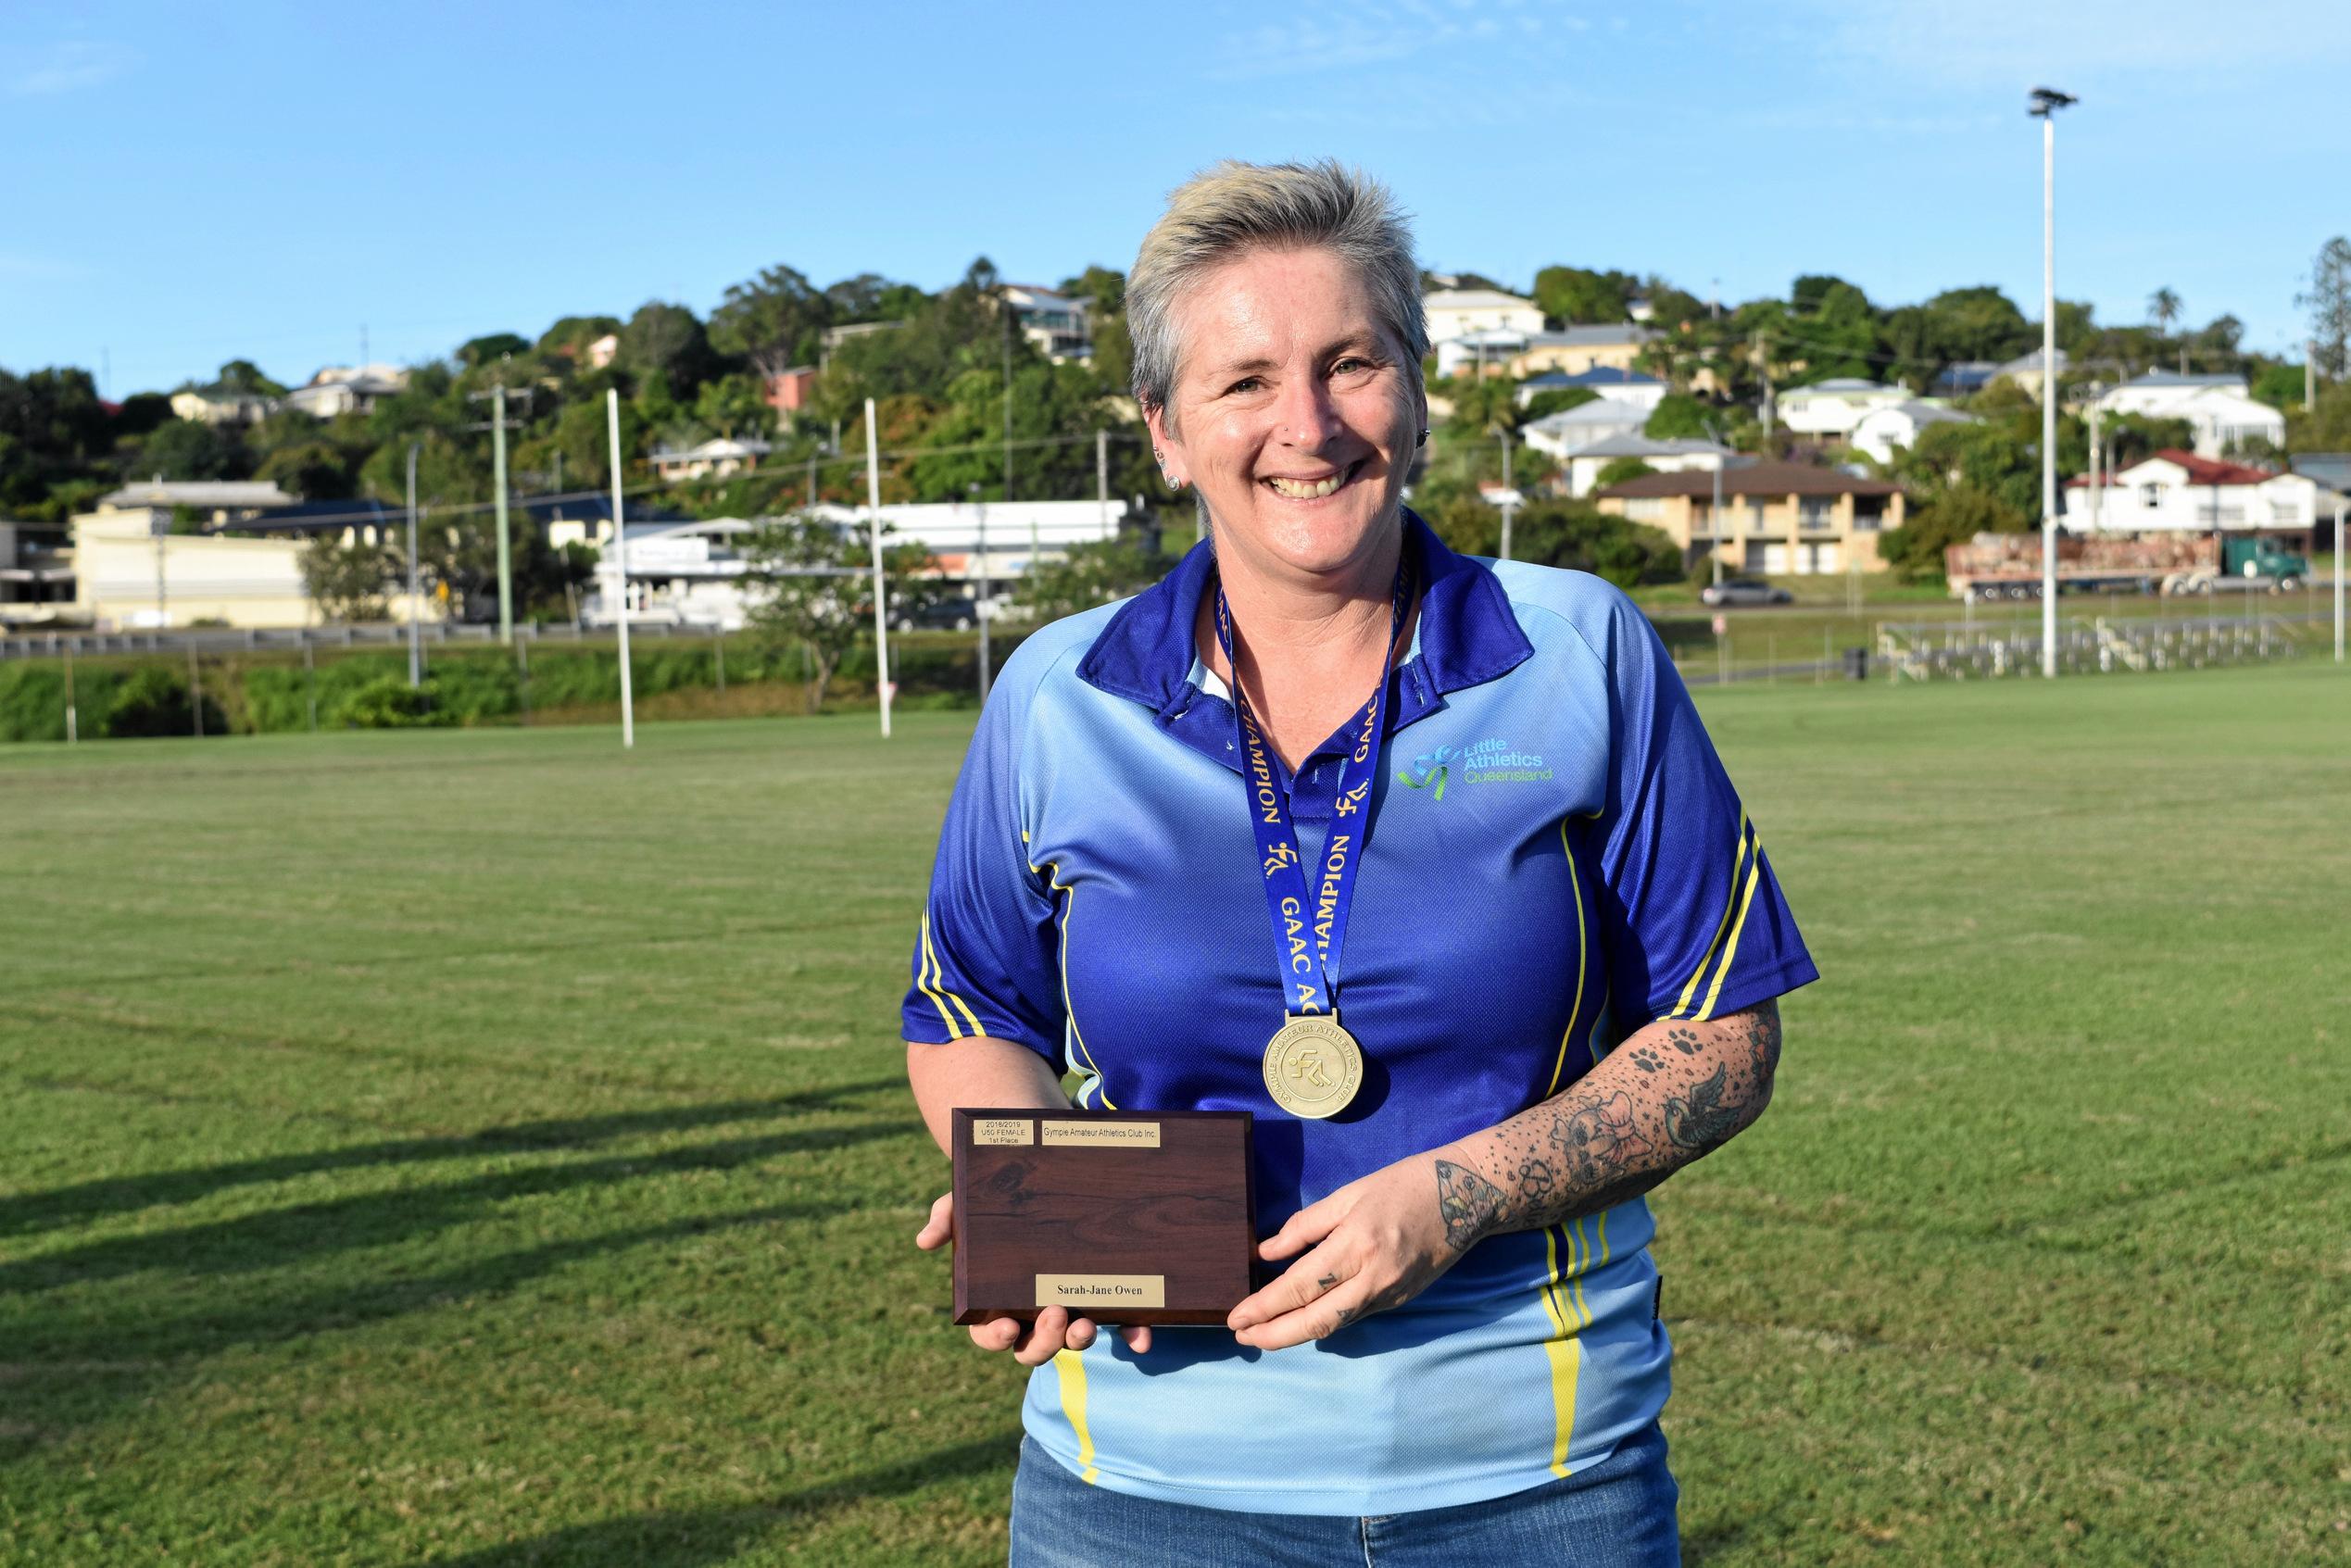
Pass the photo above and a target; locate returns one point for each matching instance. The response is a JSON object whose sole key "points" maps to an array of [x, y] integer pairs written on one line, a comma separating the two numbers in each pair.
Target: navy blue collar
{"points": [[1467, 634]]}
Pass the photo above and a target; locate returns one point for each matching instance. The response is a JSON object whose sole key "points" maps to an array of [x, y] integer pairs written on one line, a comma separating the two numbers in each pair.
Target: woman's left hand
{"points": [[1375, 1243]]}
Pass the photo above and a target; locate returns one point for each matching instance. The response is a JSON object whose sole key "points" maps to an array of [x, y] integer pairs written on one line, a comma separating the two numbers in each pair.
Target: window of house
{"points": [[1816, 511], [1645, 509], [2151, 495]]}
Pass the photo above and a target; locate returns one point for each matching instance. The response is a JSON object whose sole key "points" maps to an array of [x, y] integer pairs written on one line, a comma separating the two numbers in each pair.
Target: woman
{"points": [[1543, 925]]}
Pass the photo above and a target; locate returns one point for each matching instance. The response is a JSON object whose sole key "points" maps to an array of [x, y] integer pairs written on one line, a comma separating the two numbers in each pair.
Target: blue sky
{"points": [[186, 184]]}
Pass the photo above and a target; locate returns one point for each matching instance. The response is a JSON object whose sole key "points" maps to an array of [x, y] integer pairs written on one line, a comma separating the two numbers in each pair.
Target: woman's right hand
{"points": [[1031, 1344]]}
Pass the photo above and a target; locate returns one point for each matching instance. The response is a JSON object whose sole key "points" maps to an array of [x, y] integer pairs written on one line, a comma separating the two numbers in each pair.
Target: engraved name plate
{"points": [[1121, 1218]]}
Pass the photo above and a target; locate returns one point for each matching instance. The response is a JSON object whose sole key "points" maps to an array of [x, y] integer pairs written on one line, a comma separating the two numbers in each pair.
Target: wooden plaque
{"points": [[1121, 1217]]}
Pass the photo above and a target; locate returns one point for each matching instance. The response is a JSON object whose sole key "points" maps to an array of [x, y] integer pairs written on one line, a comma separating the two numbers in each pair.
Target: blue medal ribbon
{"points": [[1309, 928]]}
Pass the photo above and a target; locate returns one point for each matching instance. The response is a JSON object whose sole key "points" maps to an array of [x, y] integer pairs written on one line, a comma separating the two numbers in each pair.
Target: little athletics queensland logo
{"points": [[1485, 762]]}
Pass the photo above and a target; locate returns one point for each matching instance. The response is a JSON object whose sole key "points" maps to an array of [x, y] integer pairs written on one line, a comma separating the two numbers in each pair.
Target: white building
{"points": [[1833, 408], [1457, 313], [720, 459], [1570, 431], [1643, 391], [1662, 457], [1883, 428], [1054, 322], [212, 500], [2179, 492], [2218, 409], [346, 389], [222, 406], [603, 351]]}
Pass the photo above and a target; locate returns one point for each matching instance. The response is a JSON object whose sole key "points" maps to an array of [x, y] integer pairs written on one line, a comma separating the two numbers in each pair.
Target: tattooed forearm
{"points": [[1673, 1093], [1467, 1200]]}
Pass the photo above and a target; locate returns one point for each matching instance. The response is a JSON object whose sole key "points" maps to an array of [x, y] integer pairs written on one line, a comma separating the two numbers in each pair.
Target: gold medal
{"points": [[1313, 1067]]}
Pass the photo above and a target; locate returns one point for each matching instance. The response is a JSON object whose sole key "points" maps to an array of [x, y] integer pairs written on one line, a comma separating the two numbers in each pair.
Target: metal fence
{"points": [[1939, 650], [371, 635]]}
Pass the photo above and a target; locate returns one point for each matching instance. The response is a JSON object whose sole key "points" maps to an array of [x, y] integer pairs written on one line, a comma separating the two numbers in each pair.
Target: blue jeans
{"points": [[1619, 1513]]}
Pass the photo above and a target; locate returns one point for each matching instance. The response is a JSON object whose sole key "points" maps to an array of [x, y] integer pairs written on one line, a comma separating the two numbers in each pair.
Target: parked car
{"points": [[942, 615], [1743, 591]]}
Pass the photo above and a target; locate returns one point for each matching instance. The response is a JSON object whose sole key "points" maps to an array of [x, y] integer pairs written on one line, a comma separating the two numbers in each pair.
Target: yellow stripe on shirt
{"points": [[1051, 872], [1746, 899], [1567, 1355], [1729, 902], [923, 972], [1071, 1366], [1575, 891]]}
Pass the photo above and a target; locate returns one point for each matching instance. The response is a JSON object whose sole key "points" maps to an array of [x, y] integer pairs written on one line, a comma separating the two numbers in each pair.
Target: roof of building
{"points": [[2173, 378], [1599, 375], [1599, 411], [2200, 471], [199, 493], [1840, 385], [2029, 364], [1967, 375], [1591, 332], [1755, 479], [1473, 300], [315, 516], [713, 450], [1639, 445]]}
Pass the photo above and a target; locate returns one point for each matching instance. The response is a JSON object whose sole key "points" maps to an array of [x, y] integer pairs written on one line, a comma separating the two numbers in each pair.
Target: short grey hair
{"points": [[1236, 207]]}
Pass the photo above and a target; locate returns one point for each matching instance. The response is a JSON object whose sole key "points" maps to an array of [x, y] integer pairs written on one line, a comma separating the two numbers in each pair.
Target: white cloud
{"points": [[69, 66]]}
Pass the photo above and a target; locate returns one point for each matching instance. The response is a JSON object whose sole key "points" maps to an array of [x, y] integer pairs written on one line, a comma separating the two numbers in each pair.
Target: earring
{"points": [[1424, 435], [1159, 457]]}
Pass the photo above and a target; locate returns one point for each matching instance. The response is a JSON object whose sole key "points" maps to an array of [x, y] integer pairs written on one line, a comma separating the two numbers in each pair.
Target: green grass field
{"points": [[487, 1147]]}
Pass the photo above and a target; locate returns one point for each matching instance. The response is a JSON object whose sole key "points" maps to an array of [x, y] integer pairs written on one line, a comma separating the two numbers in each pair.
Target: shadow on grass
{"points": [[81, 1370], [33, 1211], [689, 1537], [307, 1232]]}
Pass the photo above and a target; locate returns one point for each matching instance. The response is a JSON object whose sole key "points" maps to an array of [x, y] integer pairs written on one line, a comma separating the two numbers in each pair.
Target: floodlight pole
{"points": [[416, 635], [881, 585], [2047, 102], [505, 550], [1509, 503], [621, 560]]}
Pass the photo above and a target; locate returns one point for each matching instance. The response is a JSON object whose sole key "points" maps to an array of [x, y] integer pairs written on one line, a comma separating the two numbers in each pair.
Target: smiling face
{"points": [[1294, 411]]}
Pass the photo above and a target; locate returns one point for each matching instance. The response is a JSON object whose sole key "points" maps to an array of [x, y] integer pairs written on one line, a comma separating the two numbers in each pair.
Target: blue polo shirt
{"points": [[1555, 857]]}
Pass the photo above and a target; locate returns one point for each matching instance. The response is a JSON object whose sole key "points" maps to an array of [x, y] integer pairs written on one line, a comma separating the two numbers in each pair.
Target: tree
{"points": [[242, 375], [812, 591], [774, 320], [347, 582], [1679, 417], [664, 346], [54, 431], [570, 335], [2328, 302], [1619, 470], [186, 449], [1092, 574], [1572, 534], [2325, 426], [1483, 406], [2163, 308], [490, 347], [1915, 550], [1576, 293], [1056, 410], [1557, 399]]}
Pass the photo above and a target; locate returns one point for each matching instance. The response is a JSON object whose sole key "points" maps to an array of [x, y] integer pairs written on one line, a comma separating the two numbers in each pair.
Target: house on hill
{"points": [[1777, 518], [2172, 491], [2220, 409]]}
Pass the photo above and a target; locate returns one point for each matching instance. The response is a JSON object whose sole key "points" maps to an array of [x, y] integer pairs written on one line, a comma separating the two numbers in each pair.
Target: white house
{"points": [[603, 351], [1833, 408], [1888, 426], [346, 389], [1642, 391], [221, 405], [2179, 492], [719, 458], [1662, 457], [1456, 313], [1564, 434], [2219, 409], [1054, 322], [2025, 371]]}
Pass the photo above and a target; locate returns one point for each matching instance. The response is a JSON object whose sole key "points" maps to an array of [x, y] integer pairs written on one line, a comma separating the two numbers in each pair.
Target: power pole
{"points": [[2047, 102], [1101, 477], [621, 566], [506, 548], [1510, 496], [979, 602], [416, 635], [881, 584]]}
